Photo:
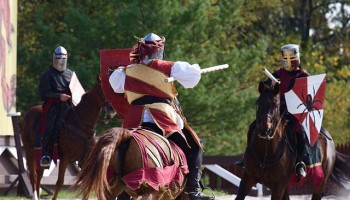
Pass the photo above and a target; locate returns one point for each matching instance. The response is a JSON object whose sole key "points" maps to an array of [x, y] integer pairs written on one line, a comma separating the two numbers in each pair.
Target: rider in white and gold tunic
{"points": [[153, 101]]}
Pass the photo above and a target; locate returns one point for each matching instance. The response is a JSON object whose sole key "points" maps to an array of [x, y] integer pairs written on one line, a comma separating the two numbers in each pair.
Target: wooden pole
{"points": [[24, 187]]}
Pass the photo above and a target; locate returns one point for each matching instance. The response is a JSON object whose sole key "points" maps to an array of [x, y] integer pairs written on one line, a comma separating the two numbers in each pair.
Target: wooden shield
{"points": [[305, 102], [110, 59]]}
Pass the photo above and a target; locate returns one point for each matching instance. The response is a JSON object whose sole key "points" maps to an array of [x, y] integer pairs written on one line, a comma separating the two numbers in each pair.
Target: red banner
{"points": [[110, 59]]}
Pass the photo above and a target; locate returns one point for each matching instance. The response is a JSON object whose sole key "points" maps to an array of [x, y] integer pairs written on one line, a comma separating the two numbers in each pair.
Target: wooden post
{"points": [[24, 187]]}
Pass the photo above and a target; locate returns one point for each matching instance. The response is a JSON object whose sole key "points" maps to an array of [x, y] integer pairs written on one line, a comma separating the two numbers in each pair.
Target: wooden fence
{"points": [[227, 162]]}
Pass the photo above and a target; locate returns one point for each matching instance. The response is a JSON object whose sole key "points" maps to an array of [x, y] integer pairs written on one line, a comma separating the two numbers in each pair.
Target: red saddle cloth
{"points": [[314, 169], [157, 177], [315, 173]]}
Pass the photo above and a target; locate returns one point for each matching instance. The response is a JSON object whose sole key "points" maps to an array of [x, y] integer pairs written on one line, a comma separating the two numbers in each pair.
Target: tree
{"points": [[243, 34]]}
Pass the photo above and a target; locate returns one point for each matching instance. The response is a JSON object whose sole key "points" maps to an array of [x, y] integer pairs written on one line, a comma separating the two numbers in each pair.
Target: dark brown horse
{"points": [[270, 158], [120, 150], [75, 138]]}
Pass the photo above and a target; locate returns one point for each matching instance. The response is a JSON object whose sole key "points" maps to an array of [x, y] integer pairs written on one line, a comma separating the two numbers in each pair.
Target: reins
{"points": [[262, 163], [270, 137], [82, 125]]}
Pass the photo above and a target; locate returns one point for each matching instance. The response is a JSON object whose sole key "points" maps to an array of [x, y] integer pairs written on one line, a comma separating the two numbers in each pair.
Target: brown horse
{"points": [[269, 158], [75, 138], [135, 157]]}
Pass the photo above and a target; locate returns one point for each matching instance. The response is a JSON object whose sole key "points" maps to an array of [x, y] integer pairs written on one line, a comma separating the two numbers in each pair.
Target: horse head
{"points": [[110, 113], [268, 112]]}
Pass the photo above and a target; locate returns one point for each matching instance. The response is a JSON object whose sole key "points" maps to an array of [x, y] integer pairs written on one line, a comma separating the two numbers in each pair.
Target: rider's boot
{"points": [[46, 148], [300, 167], [240, 163], [123, 196], [193, 186]]}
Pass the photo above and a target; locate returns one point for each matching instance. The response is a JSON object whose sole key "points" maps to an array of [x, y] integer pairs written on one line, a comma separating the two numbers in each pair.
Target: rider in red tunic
{"points": [[153, 101], [287, 74]]}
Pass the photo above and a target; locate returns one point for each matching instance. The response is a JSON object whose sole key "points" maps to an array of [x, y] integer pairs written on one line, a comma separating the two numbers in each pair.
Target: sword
{"points": [[205, 70], [268, 74]]}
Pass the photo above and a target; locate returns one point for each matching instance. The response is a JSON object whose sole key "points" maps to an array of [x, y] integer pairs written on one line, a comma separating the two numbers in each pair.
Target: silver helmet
{"points": [[157, 49], [291, 57], [59, 59]]}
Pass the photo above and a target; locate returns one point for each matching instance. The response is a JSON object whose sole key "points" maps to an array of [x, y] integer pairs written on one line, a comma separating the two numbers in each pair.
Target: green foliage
{"points": [[244, 34], [337, 110]]}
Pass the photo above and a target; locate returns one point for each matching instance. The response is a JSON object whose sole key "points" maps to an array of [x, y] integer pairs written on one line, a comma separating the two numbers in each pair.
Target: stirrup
{"points": [[239, 163], [300, 169], [45, 162], [199, 196]]}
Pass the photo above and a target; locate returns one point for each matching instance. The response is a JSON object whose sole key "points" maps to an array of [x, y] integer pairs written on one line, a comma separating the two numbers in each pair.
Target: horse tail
{"points": [[93, 175], [341, 170]]}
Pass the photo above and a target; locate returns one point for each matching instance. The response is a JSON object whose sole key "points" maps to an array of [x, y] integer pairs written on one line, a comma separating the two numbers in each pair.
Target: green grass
{"points": [[67, 193]]}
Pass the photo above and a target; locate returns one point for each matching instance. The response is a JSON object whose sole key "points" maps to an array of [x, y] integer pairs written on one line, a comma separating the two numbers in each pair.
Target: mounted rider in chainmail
{"points": [[55, 93]]}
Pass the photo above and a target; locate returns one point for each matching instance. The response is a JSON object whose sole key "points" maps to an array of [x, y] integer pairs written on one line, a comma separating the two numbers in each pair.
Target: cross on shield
{"points": [[110, 59], [305, 103]]}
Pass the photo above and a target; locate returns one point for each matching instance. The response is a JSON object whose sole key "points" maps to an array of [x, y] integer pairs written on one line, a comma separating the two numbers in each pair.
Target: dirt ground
{"points": [[232, 197]]}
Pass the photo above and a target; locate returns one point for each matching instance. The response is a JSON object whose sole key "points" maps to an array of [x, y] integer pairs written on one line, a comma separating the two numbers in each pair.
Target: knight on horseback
{"points": [[286, 75], [55, 93], [154, 105]]}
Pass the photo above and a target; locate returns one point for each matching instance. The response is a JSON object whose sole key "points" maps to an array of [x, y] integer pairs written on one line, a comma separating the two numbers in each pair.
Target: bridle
{"points": [[268, 135], [274, 127], [262, 162]]}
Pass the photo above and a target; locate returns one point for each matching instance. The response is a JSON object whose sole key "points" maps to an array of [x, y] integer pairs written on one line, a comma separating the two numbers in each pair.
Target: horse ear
{"points": [[262, 86], [98, 77], [276, 88]]}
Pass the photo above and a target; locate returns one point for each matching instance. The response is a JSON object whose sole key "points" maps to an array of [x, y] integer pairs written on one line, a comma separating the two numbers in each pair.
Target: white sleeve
{"points": [[117, 80], [186, 74]]}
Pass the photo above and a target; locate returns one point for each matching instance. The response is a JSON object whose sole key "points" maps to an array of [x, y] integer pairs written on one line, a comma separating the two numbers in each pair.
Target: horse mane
{"points": [[86, 95], [90, 93]]}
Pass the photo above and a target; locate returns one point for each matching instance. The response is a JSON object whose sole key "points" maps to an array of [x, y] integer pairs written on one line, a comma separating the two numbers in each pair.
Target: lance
{"points": [[205, 70], [268, 74]]}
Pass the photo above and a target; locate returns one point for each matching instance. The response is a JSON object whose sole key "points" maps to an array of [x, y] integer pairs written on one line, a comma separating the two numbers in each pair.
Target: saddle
{"points": [[313, 160], [170, 168]]}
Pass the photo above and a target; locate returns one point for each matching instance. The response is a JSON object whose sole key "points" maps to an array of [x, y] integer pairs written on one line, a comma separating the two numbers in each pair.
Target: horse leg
{"points": [[279, 192], [286, 194], [245, 186], [117, 188], [32, 174], [39, 176], [148, 196], [318, 192], [62, 166]]}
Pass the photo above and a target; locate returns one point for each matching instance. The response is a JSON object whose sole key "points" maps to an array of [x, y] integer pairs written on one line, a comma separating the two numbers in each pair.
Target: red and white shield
{"points": [[305, 102], [110, 59]]}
